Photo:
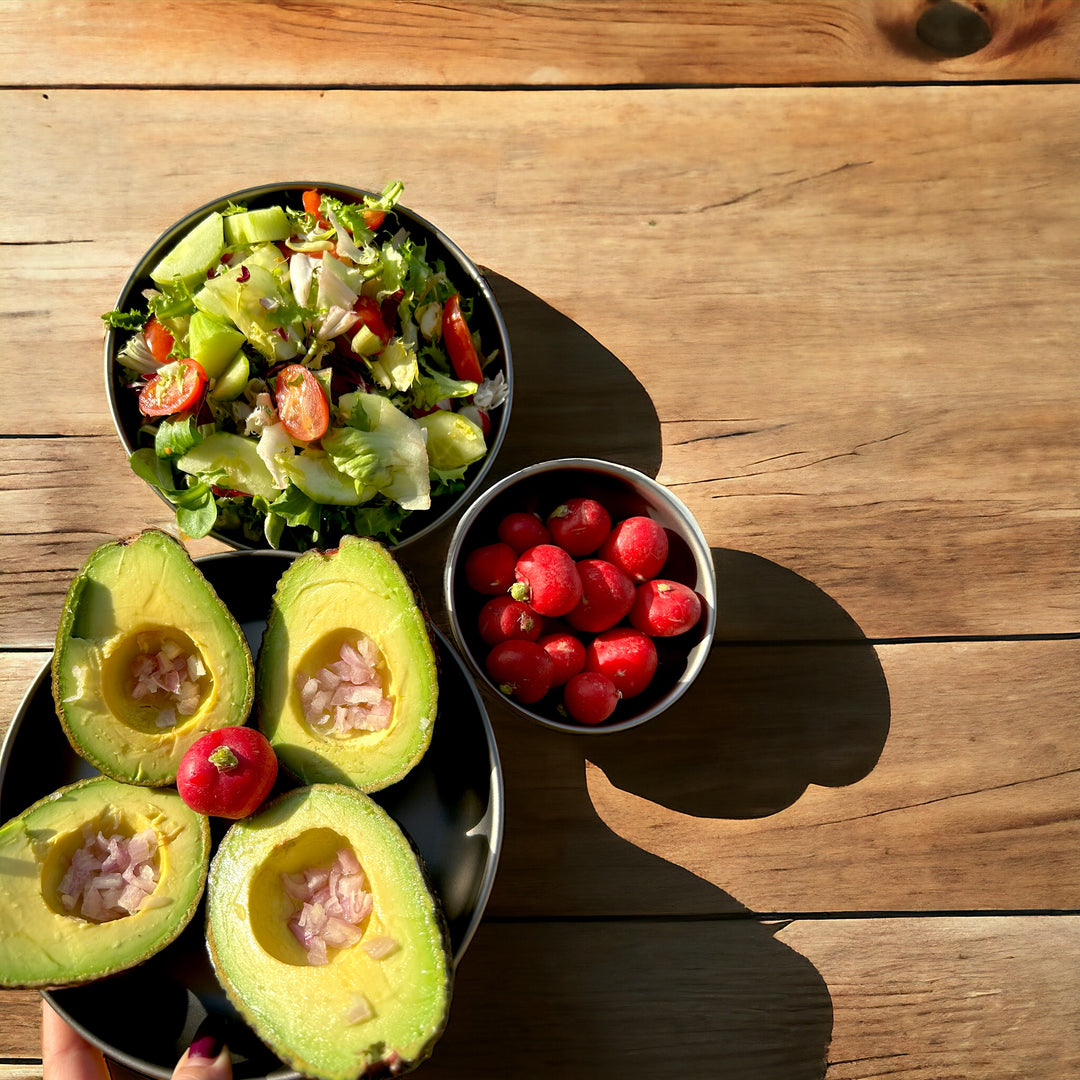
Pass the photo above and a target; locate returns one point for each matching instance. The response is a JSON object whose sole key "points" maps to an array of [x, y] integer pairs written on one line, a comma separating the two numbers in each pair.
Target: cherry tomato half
{"points": [[371, 316], [459, 342], [158, 340], [312, 201], [374, 218], [301, 403], [176, 388]]}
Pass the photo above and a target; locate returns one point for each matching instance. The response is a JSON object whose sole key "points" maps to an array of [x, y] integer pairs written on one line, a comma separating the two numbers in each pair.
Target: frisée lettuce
{"points": [[322, 331]]}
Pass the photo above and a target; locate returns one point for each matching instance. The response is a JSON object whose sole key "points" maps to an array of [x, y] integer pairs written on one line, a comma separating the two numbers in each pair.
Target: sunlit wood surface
{"points": [[818, 276]]}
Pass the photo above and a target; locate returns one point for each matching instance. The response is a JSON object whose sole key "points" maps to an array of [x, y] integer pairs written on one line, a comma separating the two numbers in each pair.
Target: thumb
{"points": [[204, 1060]]}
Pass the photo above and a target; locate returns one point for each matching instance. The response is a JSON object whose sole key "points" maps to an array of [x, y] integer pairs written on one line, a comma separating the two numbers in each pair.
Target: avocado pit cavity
{"points": [[346, 695], [110, 875], [168, 676], [330, 906]]}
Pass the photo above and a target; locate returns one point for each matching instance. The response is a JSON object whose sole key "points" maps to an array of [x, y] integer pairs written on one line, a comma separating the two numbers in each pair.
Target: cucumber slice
{"points": [[193, 256]]}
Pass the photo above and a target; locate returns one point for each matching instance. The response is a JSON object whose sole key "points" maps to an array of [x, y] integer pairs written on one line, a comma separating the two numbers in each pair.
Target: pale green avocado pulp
{"points": [[302, 1011], [41, 943], [322, 601], [135, 598]]}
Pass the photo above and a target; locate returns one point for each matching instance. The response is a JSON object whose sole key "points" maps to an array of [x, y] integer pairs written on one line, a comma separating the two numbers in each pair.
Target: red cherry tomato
{"points": [[177, 387], [312, 200], [459, 342], [374, 218], [227, 772], [158, 340], [301, 403], [371, 316]]}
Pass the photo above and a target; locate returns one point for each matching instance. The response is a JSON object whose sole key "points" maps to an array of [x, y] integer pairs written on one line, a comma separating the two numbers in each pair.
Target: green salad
{"points": [[305, 372]]}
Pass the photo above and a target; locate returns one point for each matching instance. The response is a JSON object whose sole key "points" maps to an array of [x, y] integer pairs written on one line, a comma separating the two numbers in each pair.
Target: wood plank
{"points": [[953, 999], [870, 320], [524, 42], [20, 1025], [799, 779], [942, 780]]}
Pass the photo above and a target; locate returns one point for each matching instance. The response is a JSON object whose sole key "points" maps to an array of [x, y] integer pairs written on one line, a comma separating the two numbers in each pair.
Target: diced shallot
{"points": [[172, 675], [346, 695], [110, 876], [359, 1010], [333, 904], [379, 946]]}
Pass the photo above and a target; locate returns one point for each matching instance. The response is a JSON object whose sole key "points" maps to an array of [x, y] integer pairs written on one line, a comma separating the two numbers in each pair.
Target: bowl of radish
{"points": [[583, 593]]}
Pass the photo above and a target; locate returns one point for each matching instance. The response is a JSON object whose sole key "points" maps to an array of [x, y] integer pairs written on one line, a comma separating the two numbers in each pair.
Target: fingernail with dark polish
{"points": [[206, 1046]]}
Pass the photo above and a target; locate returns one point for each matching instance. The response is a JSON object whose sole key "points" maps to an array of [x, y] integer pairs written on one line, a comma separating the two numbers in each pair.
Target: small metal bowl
{"points": [[625, 492], [486, 318]]}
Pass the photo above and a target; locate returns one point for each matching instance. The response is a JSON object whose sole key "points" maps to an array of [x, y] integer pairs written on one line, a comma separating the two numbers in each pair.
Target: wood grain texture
{"points": [[951, 999], [528, 42], [848, 334], [799, 779], [813, 787]]}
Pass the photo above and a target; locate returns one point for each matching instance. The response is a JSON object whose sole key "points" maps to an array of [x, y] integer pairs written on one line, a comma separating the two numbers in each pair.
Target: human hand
{"points": [[66, 1055]]}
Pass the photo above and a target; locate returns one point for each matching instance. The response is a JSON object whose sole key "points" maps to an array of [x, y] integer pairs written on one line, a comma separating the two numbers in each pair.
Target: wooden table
{"points": [[818, 277]]}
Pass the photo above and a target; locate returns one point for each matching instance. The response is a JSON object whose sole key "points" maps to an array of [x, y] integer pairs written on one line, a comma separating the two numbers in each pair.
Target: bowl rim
{"points": [[698, 545], [472, 270]]}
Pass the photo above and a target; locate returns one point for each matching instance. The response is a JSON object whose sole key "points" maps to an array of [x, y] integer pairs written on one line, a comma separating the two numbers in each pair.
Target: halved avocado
{"points": [[325, 600], [42, 943], [306, 1013], [137, 598]]}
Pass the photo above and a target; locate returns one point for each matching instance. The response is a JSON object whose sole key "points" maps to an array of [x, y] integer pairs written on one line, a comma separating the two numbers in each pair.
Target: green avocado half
{"points": [[366, 1011], [45, 941], [354, 594], [140, 605]]}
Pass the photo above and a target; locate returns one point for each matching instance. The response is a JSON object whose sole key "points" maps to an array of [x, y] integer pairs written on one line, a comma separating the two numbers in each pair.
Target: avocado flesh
{"points": [[40, 943], [300, 1010], [133, 596], [323, 600]]}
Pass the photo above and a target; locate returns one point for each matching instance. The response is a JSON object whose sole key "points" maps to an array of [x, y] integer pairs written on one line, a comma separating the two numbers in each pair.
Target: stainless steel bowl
{"points": [[625, 492], [486, 318]]}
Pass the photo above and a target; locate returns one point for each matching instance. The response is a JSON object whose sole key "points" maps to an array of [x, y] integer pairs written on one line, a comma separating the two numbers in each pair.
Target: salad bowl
{"points": [[365, 473]]}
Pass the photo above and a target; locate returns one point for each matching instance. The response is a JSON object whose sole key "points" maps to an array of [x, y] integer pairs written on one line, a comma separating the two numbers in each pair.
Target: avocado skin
{"points": [[232, 871], [104, 607], [40, 948], [365, 589]]}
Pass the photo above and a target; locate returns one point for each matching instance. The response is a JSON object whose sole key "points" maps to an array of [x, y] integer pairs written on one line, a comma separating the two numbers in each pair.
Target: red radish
{"points": [[626, 656], [547, 580], [638, 546], [606, 596], [522, 670], [490, 569], [579, 526], [665, 608], [227, 772], [522, 531], [503, 618], [590, 697], [566, 651]]}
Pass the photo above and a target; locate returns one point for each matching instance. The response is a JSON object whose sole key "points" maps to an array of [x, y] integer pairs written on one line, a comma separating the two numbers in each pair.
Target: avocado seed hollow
{"points": [[272, 908], [96, 854], [342, 686], [156, 680]]}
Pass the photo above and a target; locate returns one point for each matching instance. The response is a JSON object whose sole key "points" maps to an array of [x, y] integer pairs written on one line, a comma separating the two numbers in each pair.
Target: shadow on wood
{"points": [[635, 999], [764, 720]]}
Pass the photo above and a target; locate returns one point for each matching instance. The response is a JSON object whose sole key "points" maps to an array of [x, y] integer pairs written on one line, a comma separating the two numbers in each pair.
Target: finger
{"points": [[65, 1054], [204, 1061]]}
